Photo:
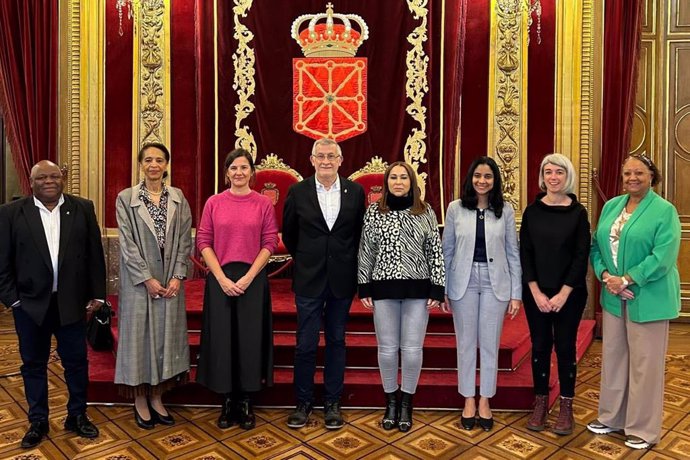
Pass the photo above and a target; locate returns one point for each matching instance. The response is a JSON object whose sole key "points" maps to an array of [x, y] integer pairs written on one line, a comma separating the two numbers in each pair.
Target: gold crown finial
{"points": [[329, 39]]}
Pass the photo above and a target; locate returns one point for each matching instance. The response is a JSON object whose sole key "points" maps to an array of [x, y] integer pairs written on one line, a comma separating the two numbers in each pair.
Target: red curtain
{"points": [[28, 81], [621, 55]]}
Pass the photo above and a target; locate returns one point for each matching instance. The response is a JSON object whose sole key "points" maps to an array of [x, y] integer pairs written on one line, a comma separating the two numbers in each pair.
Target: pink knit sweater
{"points": [[237, 227]]}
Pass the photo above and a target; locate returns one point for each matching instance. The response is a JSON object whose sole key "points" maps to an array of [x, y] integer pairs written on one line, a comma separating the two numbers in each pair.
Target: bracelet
{"points": [[179, 277], [625, 281]]}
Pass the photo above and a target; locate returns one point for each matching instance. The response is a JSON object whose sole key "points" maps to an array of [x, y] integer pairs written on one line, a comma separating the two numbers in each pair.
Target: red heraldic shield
{"points": [[330, 97]]}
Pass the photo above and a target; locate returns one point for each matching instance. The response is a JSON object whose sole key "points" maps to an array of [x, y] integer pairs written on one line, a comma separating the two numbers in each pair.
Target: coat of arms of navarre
{"points": [[329, 83]]}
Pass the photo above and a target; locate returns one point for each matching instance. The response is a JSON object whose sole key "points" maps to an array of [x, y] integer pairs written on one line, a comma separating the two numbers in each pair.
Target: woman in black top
{"points": [[554, 248]]}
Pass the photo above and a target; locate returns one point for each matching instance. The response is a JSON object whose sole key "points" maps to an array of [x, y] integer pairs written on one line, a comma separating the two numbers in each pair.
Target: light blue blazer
{"points": [[502, 252]]}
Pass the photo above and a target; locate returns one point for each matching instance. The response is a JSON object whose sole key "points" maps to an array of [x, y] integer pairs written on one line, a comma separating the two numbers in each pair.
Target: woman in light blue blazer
{"points": [[483, 280]]}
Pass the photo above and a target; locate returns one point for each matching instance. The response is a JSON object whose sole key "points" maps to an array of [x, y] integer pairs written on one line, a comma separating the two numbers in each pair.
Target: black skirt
{"points": [[236, 352]]}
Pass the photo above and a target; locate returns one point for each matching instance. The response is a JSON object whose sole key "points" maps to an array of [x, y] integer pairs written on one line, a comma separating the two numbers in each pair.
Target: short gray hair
{"points": [[562, 161], [326, 141]]}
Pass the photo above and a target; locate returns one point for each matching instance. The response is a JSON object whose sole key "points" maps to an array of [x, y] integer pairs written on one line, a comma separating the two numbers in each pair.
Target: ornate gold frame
{"points": [[507, 142], [80, 121], [151, 74], [374, 166], [578, 96], [271, 161]]}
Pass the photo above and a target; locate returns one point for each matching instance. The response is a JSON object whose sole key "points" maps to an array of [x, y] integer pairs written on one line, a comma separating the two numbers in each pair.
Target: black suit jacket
{"points": [[26, 271], [321, 256]]}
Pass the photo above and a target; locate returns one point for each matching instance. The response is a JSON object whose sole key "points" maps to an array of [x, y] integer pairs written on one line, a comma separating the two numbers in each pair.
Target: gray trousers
{"points": [[478, 318], [400, 325]]}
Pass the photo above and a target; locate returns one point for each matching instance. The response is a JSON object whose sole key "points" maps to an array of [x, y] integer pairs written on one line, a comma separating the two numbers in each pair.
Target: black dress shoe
{"points": [[34, 436], [159, 418], [333, 418], [81, 425], [300, 416], [141, 422], [468, 422], [486, 423]]}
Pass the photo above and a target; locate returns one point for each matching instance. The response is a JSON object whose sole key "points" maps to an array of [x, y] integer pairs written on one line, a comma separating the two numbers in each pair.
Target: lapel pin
{"points": [[345, 191], [67, 213]]}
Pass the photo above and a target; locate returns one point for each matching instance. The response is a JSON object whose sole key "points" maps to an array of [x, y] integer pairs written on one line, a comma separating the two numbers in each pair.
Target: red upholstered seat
{"points": [[273, 179], [371, 178]]}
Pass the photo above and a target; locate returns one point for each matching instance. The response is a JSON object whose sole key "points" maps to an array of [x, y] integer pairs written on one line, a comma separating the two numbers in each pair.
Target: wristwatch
{"points": [[625, 281]]}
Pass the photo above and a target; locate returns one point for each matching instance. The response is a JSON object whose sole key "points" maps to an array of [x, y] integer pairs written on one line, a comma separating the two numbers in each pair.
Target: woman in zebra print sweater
{"points": [[401, 276]]}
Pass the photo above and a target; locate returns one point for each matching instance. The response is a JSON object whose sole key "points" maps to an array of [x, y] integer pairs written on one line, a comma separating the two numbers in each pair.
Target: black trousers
{"points": [[559, 329], [34, 348]]}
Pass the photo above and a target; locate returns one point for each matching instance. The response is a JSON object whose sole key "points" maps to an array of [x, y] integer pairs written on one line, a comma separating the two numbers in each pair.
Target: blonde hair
{"points": [[561, 161]]}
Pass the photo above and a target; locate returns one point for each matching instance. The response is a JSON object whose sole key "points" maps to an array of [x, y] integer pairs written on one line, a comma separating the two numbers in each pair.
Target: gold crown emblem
{"points": [[329, 39]]}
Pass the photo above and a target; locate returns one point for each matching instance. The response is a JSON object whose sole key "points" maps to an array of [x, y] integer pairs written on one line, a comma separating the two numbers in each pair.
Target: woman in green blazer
{"points": [[634, 253]]}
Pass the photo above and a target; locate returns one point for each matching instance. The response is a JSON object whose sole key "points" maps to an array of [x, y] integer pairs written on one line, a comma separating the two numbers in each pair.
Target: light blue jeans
{"points": [[478, 320], [400, 325]]}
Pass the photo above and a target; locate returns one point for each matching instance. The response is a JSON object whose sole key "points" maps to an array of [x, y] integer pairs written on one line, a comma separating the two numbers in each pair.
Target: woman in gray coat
{"points": [[155, 242]]}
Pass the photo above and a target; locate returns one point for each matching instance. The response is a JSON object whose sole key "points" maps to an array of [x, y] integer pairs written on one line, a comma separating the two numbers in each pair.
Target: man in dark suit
{"points": [[322, 224], [52, 271]]}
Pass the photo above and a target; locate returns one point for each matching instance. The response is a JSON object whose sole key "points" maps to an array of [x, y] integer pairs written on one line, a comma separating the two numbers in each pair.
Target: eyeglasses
{"points": [[329, 157]]}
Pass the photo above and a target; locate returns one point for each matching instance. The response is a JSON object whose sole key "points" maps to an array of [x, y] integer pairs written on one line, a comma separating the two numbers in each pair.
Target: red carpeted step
{"points": [[437, 388], [439, 350]]}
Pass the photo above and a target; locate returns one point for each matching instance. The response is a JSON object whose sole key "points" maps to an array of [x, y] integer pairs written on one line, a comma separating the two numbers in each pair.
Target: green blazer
{"points": [[647, 253]]}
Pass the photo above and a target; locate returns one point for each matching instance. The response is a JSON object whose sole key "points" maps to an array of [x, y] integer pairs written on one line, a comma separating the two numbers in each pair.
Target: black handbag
{"points": [[98, 332]]}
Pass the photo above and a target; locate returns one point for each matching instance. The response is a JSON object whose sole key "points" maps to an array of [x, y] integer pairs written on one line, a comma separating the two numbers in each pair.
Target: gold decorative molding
{"points": [[151, 89], [577, 97], [374, 166], [416, 88], [244, 83], [273, 162], [508, 99], [81, 39]]}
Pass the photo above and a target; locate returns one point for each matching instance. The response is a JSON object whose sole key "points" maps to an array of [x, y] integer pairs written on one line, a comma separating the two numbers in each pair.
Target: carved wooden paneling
{"points": [[679, 127], [643, 119], [649, 17], [679, 17]]}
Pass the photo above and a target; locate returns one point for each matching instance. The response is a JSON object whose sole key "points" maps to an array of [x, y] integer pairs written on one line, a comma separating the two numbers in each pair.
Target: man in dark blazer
{"points": [[52, 271], [322, 224]]}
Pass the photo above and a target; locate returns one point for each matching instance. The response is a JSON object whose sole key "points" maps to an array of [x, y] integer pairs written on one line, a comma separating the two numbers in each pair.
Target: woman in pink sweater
{"points": [[237, 234]]}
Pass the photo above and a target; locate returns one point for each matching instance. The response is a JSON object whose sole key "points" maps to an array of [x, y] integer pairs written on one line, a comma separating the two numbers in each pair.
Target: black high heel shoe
{"points": [[141, 422], [468, 422], [159, 418], [225, 420], [486, 423]]}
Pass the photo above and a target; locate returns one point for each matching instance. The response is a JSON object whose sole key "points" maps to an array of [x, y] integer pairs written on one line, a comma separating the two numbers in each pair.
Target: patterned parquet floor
{"points": [[435, 434]]}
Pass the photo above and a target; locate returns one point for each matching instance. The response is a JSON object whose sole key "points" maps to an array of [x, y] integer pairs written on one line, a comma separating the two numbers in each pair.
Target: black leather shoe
{"points": [[225, 420], [468, 422], [300, 416], [486, 423], [333, 418], [245, 414], [141, 422], [158, 418], [35, 435], [81, 425]]}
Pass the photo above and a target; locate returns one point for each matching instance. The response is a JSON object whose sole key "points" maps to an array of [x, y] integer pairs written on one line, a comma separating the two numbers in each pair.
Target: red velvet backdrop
{"points": [[621, 55], [540, 94], [193, 95], [193, 119], [28, 81]]}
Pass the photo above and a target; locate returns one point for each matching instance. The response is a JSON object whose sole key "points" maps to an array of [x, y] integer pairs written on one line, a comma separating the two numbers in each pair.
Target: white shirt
{"points": [[329, 201], [51, 227]]}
